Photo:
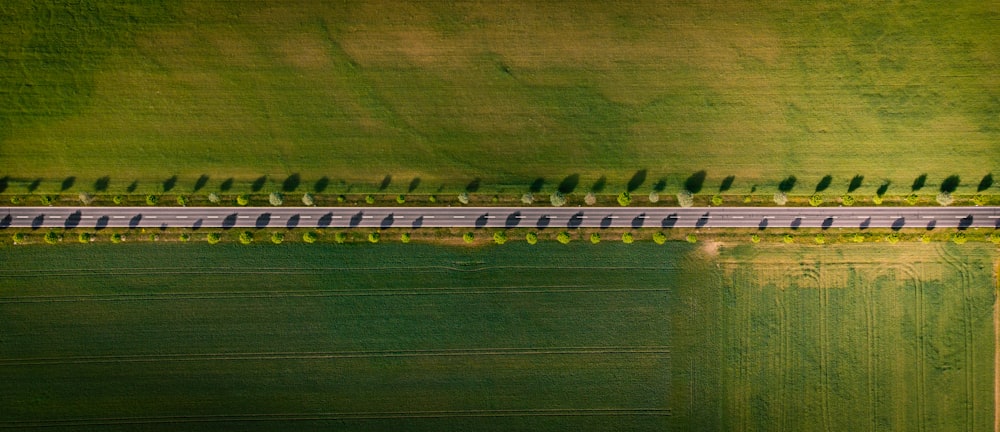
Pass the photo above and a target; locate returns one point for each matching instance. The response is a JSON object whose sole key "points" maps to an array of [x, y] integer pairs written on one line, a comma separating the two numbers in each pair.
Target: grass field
{"points": [[348, 95], [544, 337]]}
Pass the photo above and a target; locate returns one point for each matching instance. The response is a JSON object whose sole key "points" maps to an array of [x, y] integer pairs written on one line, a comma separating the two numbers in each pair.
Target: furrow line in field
{"points": [[964, 279], [125, 271], [872, 366], [373, 415], [824, 349], [783, 363]]}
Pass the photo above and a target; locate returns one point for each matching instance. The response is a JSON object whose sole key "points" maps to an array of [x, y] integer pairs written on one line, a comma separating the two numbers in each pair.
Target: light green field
{"points": [[518, 337], [450, 92]]}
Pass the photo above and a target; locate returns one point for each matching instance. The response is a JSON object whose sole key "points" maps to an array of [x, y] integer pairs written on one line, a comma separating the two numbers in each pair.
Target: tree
{"points": [[276, 199], [19, 238], [654, 197], [463, 197], [185, 237], [432, 199], [958, 238], [310, 237], [341, 198], [500, 237], [816, 200], [531, 238], [557, 199], [624, 199], [84, 237], [659, 237], [893, 238], [15, 200], [307, 200], [627, 238], [590, 199], [945, 198], [685, 198], [370, 199], [52, 237], [595, 238], [847, 199], [152, 199], [858, 238], [182, 200], [214, 198], [780, 198], [747, 199], [788, 239], [820, 239], [528, 198], [469, 237], [374, 237], [691, 238], [400, 199], [86, 198], [405, 237], [118, 199], [277, 237], [213, 238], [877, 199], [117, 238], [911, 199], [563, 237], [46, 200], [340, 237], [243, 199], [755, 238], [716, 200], [246, 237]]}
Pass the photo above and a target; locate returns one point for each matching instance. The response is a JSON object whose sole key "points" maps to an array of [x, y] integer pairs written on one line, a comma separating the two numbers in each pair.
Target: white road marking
{"points": [[243, 217], [367, 217], [276, 217], [927, 217], [212, 217], [119, 217], [490, 217], [154, 217], [518, 217], [182, 217], [337, 217], [736, 217], [458, 217], [55, 217], [428, 217], [612, 217], [87, 217], [307, 217], [22, 217], [993, 217]]}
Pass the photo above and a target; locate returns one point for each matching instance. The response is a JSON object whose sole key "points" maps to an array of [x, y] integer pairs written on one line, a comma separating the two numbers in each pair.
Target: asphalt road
{"points": [[499, 217]]}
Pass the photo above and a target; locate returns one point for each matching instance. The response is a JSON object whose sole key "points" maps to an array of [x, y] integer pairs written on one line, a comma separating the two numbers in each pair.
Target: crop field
{"points": [[433, 95], [518, 337]]}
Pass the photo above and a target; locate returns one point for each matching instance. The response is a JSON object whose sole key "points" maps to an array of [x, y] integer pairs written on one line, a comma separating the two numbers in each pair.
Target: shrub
{"points": [[528, 198], [958, 238], [495, 199], [595, 238], [624, 199], [563, 237], [212, 238], [52, 237], [820, 239], [374, 237], [463, 197], [755, 238], [788, 239], [185, 237], [877, 199], [405, 237], [18, 238], [432, 199], [557, 199], [118, 199], [340, 237], [847, 199], [341, 198], [243, 199], [893, 238], [214, 198], [86, 198], [370, 199], [154, 237], [468, 237], [277, 237], [716, 200], [980, 199], [925, 239], [816, 200], [659, 237], [307, 200], [945, 198], [310, 236], [531, 238], [15, 199], [246, 237], [152, 199], [780, 198], [994, 237], [654, 197], [400, 199], [858, 238], [911, 199], [685, 199], [747, 199], [118, 238], [627, 238], [590, 199], [182, 200], [499, 237], [84, 237], [691, 238], [276, 199], [46, 200]]}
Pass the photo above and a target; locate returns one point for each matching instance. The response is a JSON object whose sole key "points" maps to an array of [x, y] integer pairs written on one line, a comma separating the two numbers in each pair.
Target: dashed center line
{"points": [[181, 217]]}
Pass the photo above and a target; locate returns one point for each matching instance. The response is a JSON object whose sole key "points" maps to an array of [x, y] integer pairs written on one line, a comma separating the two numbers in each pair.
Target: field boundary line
{"points": [[128, 271]]}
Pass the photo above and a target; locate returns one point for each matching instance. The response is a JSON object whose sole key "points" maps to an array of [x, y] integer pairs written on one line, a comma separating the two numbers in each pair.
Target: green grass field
{"points": [[445, 92], [518, 337]]}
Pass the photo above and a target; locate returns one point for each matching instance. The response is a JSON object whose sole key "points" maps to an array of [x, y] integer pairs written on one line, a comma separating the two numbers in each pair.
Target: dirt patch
{"points": [[711, 248]]}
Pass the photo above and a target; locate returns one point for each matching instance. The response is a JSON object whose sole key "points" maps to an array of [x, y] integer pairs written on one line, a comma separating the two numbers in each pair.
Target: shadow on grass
{"points": [[950, 184], [414, 184], [824, 183], [67, 183], [473, 186], [694, 183], [568, 185], [321, 184], [727, 183], [291, 183], [919, 182], [102, 184], [226, 185], [637, 180], [258, 184], [536, 185], [132, 186], [169, 183], [985, 183], [4, 182], [787, 184], [200, 183], [855, 183], [34, 185], [599, 185], [883, 189]]}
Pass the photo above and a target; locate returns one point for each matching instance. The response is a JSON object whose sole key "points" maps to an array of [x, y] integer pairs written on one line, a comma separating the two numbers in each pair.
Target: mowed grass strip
{"points": [[165, 350], [434, 95]]}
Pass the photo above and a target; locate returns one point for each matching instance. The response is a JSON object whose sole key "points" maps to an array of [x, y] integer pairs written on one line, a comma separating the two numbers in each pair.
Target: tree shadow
{"points": [[134, 222], [324, 221], [865, 223], [918, 183], [258, 184], [575, 221], [67, 183], [543, 222], [37, 222], [796, 223], [102, 183], [669, 221], [513, 219], [763, 224], [985, 183], [73, 220], [702, 221], [4, 182], [694, 183], [965, 223], [386, 181], [263, 220], [293, 221], [414, 184], [787, 184], [229, 221], [418, 222], [824, 183], [827, 223], [356, 219], [169, 183], [197, 224], [226, 185], [291, 183], [102, 222], [200, 183], [637, 180], [727, 183], [387, 221], [660, 185], [931, 224], [5, 222], [481, 221], [883, 189], [950, 184], [856, 182], [321, 184], [599, 185], [34, 185], [606, 222], [132, 186], [639, 220], [898, 224], [473, 186], [568, 185], [536, 185]]}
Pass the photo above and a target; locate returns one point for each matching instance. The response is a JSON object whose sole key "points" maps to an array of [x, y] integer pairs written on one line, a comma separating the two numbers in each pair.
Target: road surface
{"points": [[499, 217]]}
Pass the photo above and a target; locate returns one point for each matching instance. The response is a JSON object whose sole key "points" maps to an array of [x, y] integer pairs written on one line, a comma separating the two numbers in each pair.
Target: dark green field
{"points": [[449, 92], [518, 337]]}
